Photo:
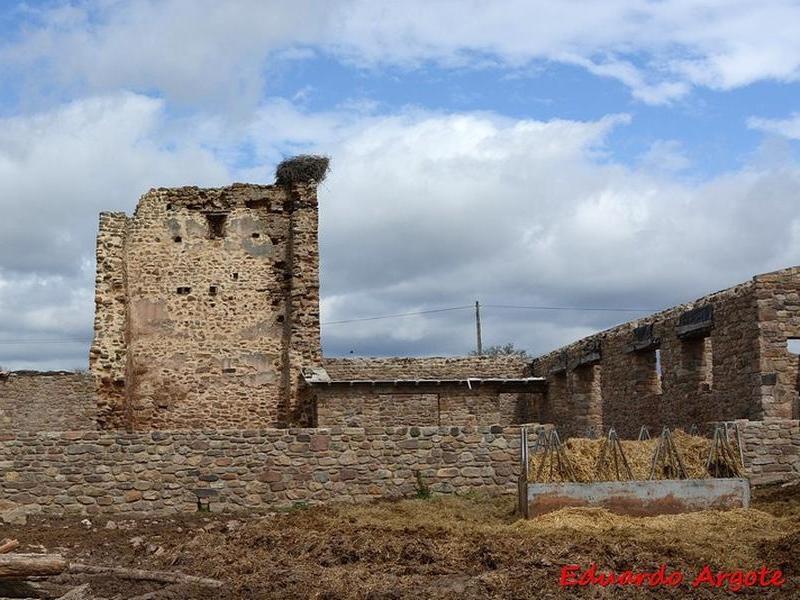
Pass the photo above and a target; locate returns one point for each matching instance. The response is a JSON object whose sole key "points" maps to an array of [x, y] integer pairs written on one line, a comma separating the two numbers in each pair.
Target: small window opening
{"points": [[216, 225], [708, 363], [184, 290], [234, 276], [658, 375], [212, 290], [793, 345], [255, 236], [177, 239], [659, 364], [229, 370], [169, 206]]}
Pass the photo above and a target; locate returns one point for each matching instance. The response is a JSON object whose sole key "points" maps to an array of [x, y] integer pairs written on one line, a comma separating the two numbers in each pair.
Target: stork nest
{"points": [[305, 168]]}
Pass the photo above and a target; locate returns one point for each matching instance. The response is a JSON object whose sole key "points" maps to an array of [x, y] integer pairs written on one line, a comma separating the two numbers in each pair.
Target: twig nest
{"points": [[305, 168]]}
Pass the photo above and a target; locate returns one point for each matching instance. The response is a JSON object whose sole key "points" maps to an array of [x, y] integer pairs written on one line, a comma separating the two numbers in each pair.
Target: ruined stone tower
{"points": [[207, 304]]}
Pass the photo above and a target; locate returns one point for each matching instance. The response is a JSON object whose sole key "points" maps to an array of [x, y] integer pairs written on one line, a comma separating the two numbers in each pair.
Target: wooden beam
{"points": [[21, 566]]}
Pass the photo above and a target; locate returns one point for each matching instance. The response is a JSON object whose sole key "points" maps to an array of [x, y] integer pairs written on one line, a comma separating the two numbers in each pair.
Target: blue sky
{"points": [[616, 154], [711, 126]]}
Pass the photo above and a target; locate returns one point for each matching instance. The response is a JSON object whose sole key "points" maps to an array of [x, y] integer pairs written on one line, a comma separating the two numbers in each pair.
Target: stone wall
{"points": [[428, 367], [169, 471], [771, 449], [778, 300], [47, 401], [721, 357], [207, 307], [424, 404], [109, 352]]}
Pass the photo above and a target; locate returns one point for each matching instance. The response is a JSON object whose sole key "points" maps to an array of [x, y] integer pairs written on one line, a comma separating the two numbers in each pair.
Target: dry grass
{"points": [[472, 548], [443, 547]]}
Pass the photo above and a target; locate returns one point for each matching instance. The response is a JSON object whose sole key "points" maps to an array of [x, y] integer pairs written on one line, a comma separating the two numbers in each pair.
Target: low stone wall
{"points": [[92, 472], [47, 401], [771, 449], [425, 367], [410, 404]]}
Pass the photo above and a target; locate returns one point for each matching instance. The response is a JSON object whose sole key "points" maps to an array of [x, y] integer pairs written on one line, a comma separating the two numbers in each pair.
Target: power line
{"points": [[512, 306], [379, 318], [409, 314], [586, 308]]}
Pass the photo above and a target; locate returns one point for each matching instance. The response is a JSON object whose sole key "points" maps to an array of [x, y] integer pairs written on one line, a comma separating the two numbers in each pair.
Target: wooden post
{"points": [[478, 326]]}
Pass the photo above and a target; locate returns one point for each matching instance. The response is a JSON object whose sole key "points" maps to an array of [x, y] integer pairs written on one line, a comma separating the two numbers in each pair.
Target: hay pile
{"points": [[471, 548], [583, 455], [747, 521]]}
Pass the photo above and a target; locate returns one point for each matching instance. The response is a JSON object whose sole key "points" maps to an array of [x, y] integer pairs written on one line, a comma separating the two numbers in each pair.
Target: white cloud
{"points": [[665, 155], [58, 170], [422, 209], [788, 128], [207, 53], [426, 209]]}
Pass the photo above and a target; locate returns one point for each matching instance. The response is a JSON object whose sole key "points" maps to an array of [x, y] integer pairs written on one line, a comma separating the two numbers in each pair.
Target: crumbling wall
{"points": [[721, 357], [425, 404], [778, 300], [207, 307], [47, 401], [109, 352]]}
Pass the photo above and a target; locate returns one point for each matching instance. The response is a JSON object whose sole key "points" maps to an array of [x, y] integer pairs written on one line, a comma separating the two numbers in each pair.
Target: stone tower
{"points": [[207, 305]]}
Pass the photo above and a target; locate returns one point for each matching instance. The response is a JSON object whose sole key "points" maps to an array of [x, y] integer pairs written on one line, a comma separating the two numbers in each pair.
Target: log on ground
{"points": [[140, 574], [21, 566]]}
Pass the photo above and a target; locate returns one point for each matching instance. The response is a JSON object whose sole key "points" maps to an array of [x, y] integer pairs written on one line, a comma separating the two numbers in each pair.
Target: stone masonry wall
{"points": [[737, 368], [207, 307], [409, 404], [170, 471], [778, 298], [771, 449], [429, 367], [47, 401], [109, 352]]}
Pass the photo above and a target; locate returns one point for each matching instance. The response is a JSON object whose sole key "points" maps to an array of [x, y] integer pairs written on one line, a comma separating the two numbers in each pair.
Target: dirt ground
{"points": [[441, 547]]}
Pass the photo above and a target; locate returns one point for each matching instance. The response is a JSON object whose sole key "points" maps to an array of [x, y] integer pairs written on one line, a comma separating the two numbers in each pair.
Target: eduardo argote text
{"points": [[573, 575]]}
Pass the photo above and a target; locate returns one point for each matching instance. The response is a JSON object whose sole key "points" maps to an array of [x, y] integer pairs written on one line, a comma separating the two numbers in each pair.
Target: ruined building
{"points": [[207, 307], [207, 345], [208, 317], [722, 357]]}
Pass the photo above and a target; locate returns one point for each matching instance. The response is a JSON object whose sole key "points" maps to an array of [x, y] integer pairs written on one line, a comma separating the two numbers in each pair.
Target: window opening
{"points": [[216, 225]]}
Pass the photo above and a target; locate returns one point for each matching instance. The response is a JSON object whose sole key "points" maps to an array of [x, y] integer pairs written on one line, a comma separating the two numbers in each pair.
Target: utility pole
{"points": [[478, 326]]}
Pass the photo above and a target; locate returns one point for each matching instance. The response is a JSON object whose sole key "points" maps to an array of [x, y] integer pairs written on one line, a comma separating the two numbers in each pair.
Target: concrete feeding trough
{"points": [[624, 494], [636, 498]]}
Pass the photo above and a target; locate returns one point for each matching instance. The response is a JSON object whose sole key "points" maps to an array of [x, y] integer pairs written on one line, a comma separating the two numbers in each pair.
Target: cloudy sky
{"points": [[619, 154]]}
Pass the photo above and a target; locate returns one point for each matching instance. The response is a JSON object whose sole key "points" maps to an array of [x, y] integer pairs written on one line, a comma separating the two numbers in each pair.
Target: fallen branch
{"points": [[142, 575], [20, 566], [8, 545]]}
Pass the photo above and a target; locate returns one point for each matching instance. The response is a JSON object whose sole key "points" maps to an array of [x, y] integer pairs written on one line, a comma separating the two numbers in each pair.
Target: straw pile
{"points": [[583, 455]]}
